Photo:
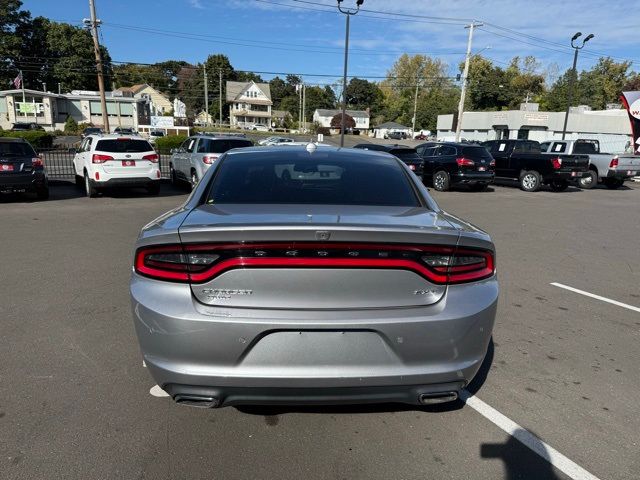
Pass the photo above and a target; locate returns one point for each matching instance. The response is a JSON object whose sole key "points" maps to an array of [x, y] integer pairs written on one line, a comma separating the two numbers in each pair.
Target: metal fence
{"points": [[59, 162]]}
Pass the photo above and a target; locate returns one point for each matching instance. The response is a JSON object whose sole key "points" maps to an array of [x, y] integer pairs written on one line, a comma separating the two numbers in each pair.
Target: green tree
{"points": [[362, 94], [14, 24]]}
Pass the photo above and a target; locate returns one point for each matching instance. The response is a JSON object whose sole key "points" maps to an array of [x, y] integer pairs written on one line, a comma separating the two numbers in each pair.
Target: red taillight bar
{"points": [[183, 272], [556, 163], [98, 158], [614, 162], [36, 162], [153, 158], [464, 162]]}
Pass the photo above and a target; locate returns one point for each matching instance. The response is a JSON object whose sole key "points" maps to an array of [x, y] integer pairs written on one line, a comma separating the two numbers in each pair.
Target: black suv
{"points": [[447, 164], [408, 155], [21, 170], [23, 127]]}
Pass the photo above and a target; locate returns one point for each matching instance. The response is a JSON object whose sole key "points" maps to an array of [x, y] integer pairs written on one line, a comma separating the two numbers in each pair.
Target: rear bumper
{"points": [[23, 182], [473, 177], [312, 356], [568, 175], [622, 173], [126, 182]]}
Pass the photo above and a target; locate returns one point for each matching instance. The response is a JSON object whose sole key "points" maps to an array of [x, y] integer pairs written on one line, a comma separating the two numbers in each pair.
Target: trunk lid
{"points": [[331, 255], [574, 162]]}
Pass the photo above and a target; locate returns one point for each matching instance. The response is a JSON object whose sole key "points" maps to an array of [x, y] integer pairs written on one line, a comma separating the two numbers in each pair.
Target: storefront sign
{"points": [[631, 101]]}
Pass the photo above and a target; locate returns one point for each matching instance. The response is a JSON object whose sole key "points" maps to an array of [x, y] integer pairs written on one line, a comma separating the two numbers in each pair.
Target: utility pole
{"points": [[93, 23], [415, 110], [304, 107], [574, 74], [206, 97], [465, 74], [220, 97], [59, 88]]}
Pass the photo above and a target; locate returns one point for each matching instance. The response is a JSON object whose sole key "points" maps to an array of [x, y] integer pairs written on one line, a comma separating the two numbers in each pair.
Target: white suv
{"points": [[116, 161]]}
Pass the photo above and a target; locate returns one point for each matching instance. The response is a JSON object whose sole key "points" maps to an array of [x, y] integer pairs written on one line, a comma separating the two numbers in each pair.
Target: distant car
{"points": [[21, 169], [22, 127], [154, 135], [260, 128], [344, 284], [276, 141], [192, 159], [91, 131], [104, 161], [421, 136], [408, 155], [448, 164], [396, 135], [125, 131]]}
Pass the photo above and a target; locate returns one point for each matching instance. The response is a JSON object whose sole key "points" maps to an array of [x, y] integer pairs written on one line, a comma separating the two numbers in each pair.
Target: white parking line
{"points": [[524, 436], [597, 297]]}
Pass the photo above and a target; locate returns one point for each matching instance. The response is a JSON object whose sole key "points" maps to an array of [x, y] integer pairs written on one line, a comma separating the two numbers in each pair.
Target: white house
{"points": [[250, 104], [158, 102], [383, 130], [610, 127], [51, 110], [323, 117]]}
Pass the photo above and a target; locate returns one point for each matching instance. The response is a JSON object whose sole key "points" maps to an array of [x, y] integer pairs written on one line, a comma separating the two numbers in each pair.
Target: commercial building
{"points": [[51, 110], [610, 127], [250, 104], [323, 118]]}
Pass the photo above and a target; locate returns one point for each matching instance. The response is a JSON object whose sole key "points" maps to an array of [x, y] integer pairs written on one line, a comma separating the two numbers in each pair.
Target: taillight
{"points": [[614, 163], [464, 162], [492, 163], [37, 162], [556, 162], [209, 159], [203, 262], [153, 158], [98, 158]]}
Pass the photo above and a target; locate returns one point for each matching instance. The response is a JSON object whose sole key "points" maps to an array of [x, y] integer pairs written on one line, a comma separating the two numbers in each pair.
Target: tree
{"points": [[362, 94], [349, 122], [319, 97], [632, 84], [13, 25]]}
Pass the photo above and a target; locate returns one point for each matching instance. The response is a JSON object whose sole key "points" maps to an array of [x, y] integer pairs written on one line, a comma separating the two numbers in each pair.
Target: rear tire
{"points": [[530, 181], [613, 183], [90, 190], [441, 181], [589, 181], [558, 185], [478, 187]]}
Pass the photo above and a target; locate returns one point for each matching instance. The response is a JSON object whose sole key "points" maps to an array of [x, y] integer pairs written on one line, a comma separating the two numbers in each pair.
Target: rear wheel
{"points": [[589, 180], [478, 187], [90, 190], [613, 183], [559, 185], [530, 181], [441, 181]]}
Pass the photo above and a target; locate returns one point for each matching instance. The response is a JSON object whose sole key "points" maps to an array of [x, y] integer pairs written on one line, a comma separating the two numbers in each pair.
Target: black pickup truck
{"points": [[522, 160]]}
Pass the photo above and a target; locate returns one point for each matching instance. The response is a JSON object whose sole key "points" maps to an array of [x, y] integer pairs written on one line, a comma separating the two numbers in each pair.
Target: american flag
{"points": [[17, 82]]}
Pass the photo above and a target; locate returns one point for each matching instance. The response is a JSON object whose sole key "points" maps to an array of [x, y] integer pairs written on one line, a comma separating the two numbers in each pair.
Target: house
{"points": [[250, 104], [280, 118], [158, 102], [383, 130], [323, 117], [610, 127], [51, 110]]}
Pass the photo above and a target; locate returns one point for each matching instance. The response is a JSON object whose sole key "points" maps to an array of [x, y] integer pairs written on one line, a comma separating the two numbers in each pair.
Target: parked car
{"points": [[258, 127], [125, 131], [25, 126], [347, 289], [522, 160], [91, 131], [275, 141], [607, 168], [448, 164], [104, 161], [21, 169], [396, 135], [154, 135], [407, 154], [192, 159]]}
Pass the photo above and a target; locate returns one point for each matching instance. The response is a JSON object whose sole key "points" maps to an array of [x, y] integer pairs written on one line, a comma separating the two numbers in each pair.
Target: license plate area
{"points": [[128, 163], [482, 169], [576, 174], [6, 167]]}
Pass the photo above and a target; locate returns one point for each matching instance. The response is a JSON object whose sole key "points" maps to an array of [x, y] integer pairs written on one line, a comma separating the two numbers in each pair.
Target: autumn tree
{"points": [[349, 122]]}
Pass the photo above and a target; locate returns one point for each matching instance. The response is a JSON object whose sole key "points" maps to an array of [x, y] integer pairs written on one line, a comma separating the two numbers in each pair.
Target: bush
{"points": [[70, 126], [37, 138], [165, 144]]}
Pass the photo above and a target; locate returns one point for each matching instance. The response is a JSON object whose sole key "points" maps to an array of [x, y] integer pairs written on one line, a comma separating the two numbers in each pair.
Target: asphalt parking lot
{"points": [[75, 401]]}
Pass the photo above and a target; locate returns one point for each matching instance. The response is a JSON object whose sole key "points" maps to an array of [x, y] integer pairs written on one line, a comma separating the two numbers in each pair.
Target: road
{"points": [[74, 396]]}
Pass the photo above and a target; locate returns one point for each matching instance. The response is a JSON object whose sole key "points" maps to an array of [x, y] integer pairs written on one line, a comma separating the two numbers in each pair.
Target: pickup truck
{"points": [[606, 168], [523, 160]]}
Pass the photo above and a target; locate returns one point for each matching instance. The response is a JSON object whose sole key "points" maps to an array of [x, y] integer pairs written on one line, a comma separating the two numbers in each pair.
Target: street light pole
{"points": [[465, 74], [574, 74], [348, 13]]}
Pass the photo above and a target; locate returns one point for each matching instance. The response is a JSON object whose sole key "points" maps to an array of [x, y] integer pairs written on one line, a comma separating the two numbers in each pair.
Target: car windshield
{"points": [[405, 153], [221, 146], [16, 149], [123, 145], [317, 180]]}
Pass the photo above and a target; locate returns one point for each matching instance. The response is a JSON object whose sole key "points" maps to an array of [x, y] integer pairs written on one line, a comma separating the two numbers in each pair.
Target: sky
{"points": [[289, 36]]}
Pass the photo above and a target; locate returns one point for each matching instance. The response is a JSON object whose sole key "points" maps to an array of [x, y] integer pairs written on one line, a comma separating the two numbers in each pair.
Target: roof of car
{"points": [[12, 140], [111, 136], [451, 144], [379, 147], [296, 152], [212, 136]]}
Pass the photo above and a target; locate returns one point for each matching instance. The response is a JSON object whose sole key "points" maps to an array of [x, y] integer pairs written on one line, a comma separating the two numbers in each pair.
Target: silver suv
{"points": [[190, 161]]}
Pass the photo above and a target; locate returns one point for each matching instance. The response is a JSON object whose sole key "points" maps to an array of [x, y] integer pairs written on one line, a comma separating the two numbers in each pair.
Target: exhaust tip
{"points": [[439, 397], [198, 401]]}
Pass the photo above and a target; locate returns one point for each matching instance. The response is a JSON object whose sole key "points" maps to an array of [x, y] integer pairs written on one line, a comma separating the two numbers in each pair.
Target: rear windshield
{"points": [[16, 149], [585, 147], [476, 152], [123, 146], [405, 153], [220, 146], [320, 181]]}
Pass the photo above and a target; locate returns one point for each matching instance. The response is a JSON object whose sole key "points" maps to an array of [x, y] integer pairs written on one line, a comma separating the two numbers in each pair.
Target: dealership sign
{"points": [[631, 101]]}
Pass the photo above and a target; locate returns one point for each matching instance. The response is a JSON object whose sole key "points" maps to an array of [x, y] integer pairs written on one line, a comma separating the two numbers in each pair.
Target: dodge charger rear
{"points": [[343, 282]]}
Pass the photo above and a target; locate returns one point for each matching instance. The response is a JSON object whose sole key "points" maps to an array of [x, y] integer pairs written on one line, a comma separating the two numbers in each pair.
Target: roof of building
{"points": [[280, 113], [234, 89], [333, 112], [393, 125]]}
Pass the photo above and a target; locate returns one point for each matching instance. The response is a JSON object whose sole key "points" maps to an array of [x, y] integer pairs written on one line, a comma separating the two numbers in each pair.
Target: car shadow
{"points": [[473, 387], [520, 461]]}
